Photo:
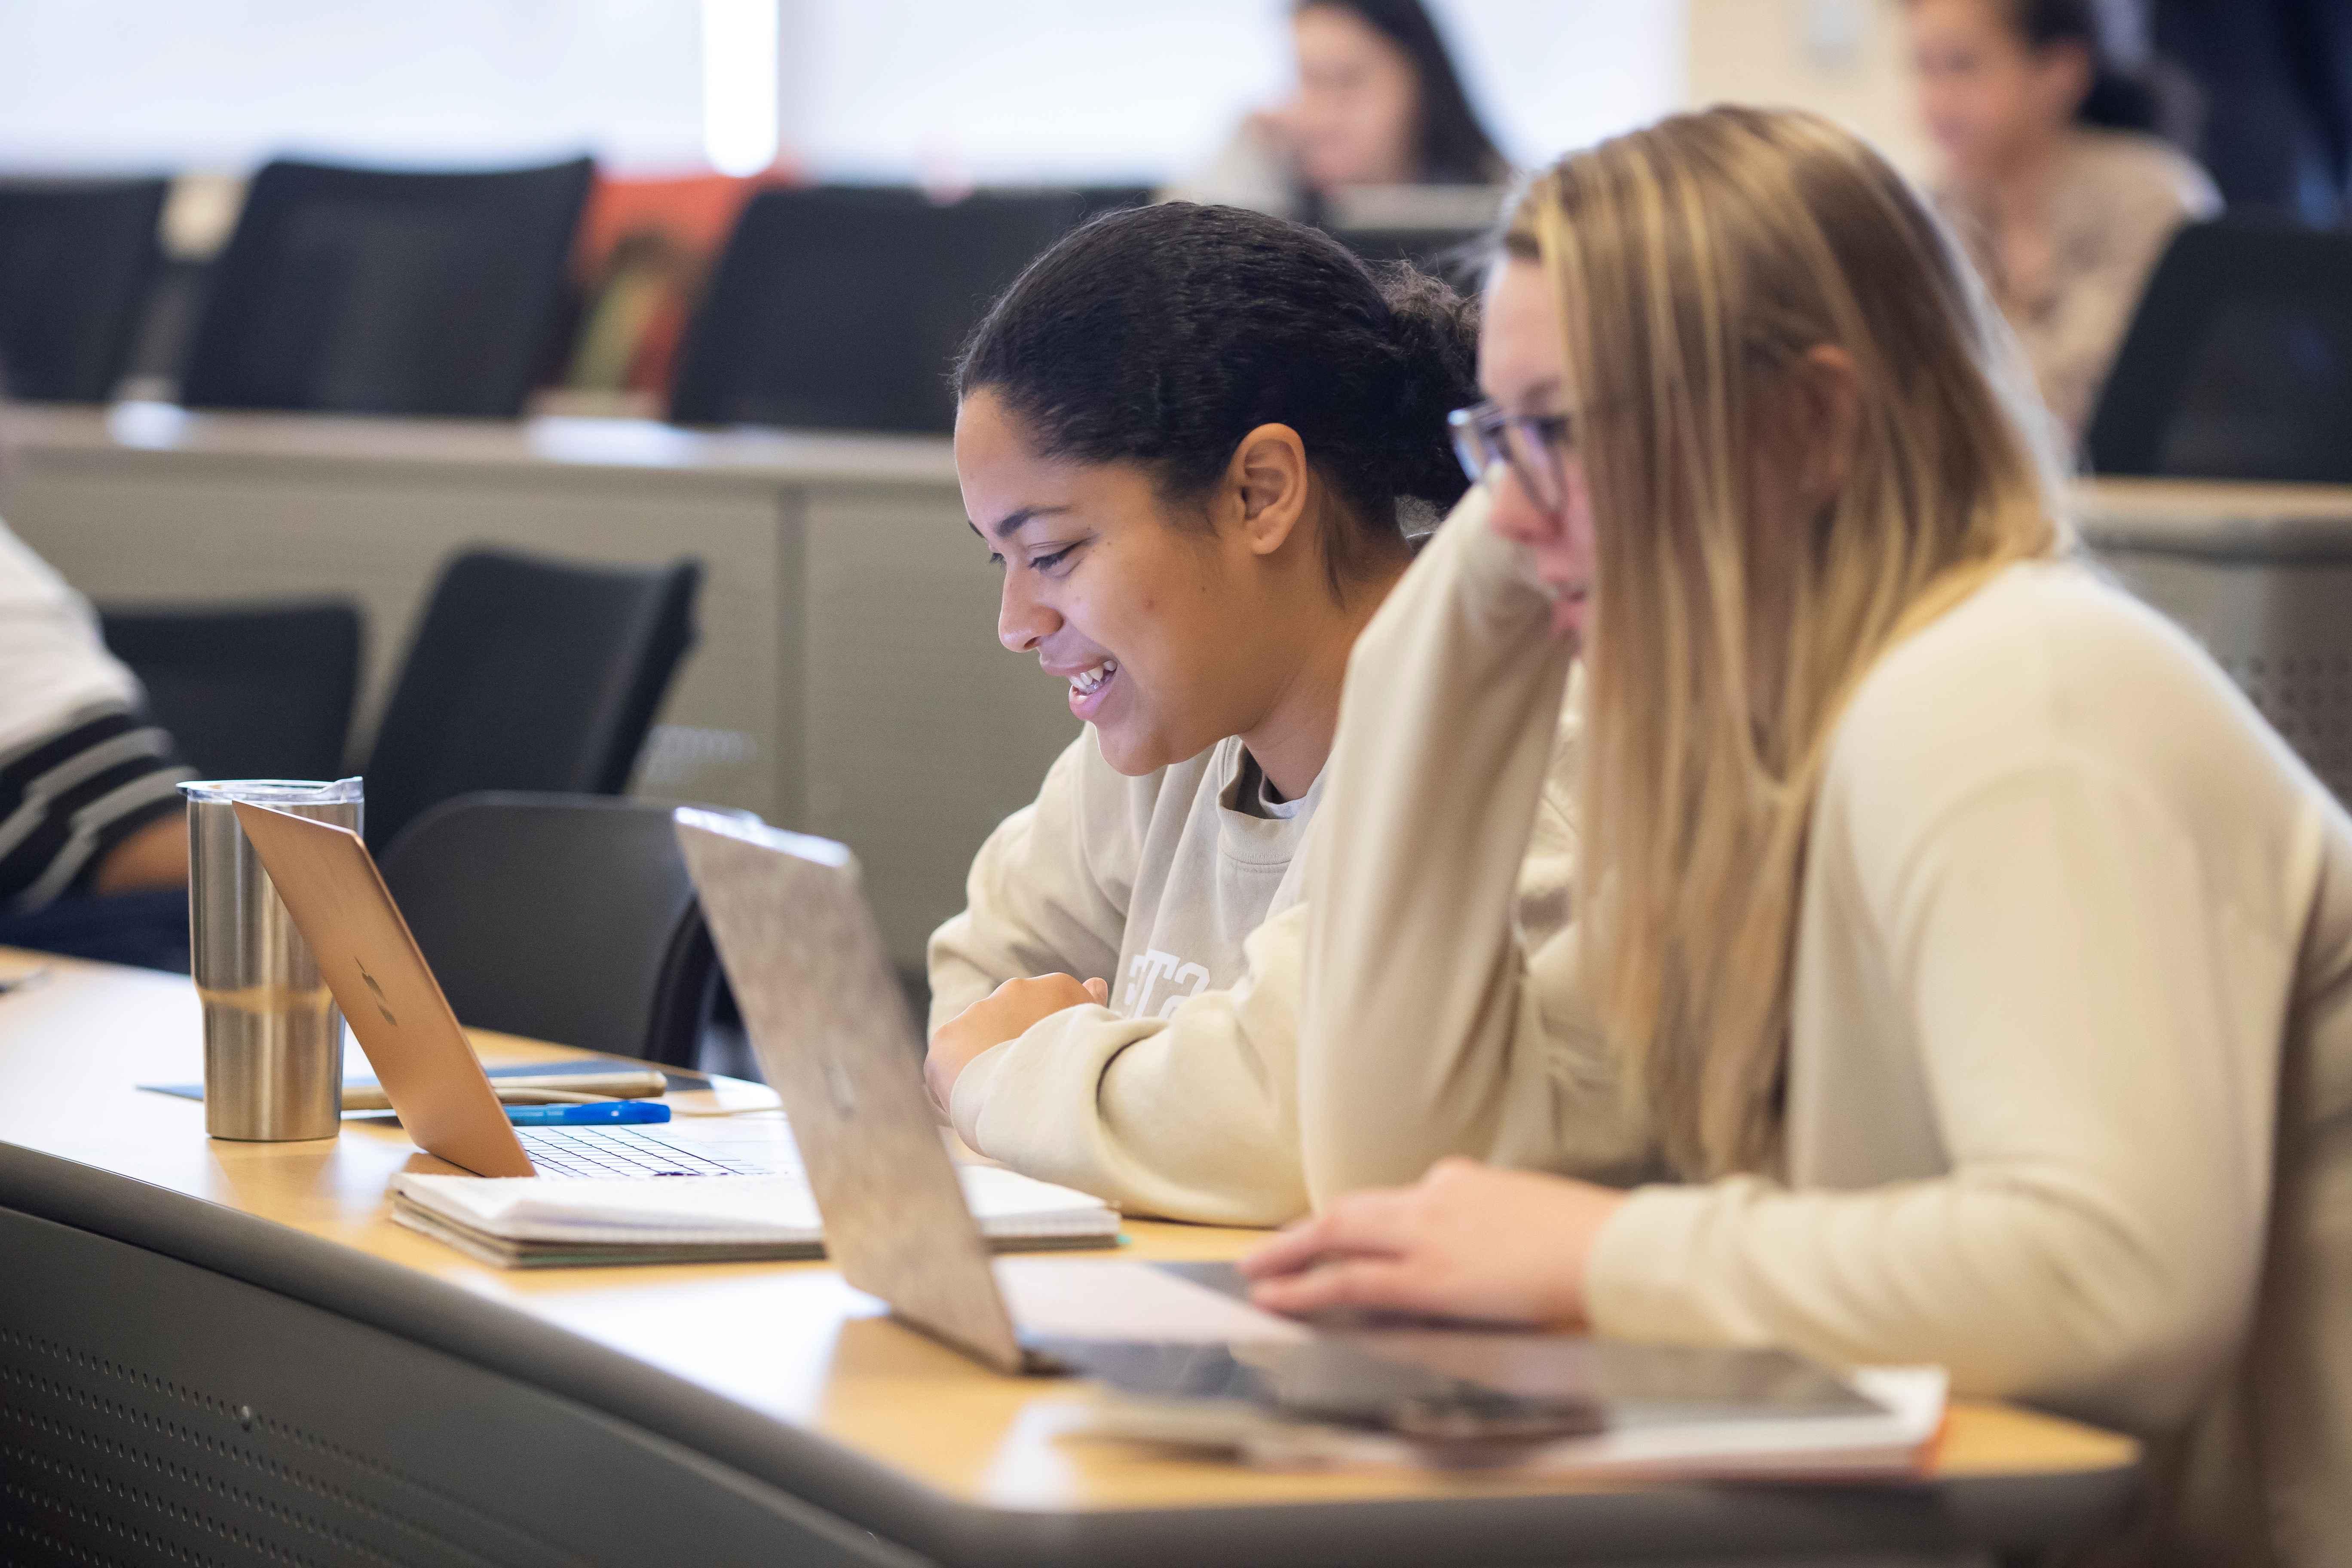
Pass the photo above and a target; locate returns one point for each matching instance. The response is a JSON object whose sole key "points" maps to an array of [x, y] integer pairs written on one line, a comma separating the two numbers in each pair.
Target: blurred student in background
{"points": [[2056, 176], [1379, 103], [1193, 439], [93, 833], [1974, 956]]}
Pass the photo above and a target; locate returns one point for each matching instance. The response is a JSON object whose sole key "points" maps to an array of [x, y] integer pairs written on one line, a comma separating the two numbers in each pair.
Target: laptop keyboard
{"points": [[625, 1152]]}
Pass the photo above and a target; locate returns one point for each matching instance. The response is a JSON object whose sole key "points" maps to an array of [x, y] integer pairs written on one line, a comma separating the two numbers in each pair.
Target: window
{"points": [[1024, 89]]}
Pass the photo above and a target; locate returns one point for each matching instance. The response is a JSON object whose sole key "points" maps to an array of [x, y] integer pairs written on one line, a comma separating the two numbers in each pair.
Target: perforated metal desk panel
{"points": [[226, 1354], [2261, 574]]}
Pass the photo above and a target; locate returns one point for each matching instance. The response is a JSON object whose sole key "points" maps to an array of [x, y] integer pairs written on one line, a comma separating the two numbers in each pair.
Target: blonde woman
{"points": [[1974, 958]]}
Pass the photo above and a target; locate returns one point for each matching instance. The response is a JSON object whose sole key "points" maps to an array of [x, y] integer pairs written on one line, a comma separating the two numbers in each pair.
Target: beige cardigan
{"points": [[2070, 1077]]}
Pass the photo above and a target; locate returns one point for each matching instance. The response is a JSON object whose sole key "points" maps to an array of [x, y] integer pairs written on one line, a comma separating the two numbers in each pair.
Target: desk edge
{"points": [[808, 1471]]}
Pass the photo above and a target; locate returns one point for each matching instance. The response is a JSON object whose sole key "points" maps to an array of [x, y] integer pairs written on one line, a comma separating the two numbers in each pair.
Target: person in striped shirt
{"points": [[93, 842]]}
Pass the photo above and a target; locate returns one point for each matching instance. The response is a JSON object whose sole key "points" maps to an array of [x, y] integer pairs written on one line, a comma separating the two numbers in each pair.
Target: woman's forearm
{"points": [[1415, 1022]]}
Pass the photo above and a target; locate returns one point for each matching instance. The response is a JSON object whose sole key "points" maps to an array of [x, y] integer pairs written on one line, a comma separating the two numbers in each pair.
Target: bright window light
{"points": [[740, 69]]}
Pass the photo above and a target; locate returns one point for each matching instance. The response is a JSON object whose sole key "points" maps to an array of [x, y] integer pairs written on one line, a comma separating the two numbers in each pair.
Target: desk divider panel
{"points": [[154, 1412]]}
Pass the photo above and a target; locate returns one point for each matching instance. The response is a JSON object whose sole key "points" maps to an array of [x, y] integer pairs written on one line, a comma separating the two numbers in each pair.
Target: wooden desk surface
{"points": [[2212, 498], [597, 449], [607, 446], [788, 1340], [2213, 518]]}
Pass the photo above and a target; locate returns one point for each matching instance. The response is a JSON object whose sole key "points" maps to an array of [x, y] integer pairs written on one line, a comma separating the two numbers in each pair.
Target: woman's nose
{"points": [[1022, 622], [1515, 516]]}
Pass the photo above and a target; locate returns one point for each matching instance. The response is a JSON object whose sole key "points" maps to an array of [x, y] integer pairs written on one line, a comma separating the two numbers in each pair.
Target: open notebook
{"points": [[543, 1223]]}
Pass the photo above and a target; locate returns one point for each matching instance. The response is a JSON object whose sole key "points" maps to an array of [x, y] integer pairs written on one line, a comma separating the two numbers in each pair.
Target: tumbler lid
{"points": [[275, 791]]}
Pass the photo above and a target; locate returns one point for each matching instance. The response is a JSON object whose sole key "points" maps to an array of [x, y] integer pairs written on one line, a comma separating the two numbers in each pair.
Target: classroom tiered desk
{"points": [[228, 1352], [846, 680]]}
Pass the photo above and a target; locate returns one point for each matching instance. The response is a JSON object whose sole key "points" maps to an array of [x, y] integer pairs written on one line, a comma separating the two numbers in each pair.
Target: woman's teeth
{"points": [[1087, 682]]}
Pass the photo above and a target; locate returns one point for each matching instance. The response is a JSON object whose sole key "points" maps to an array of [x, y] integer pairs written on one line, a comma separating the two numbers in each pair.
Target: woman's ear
{"points": [[1267, 481], [1828, 399]]}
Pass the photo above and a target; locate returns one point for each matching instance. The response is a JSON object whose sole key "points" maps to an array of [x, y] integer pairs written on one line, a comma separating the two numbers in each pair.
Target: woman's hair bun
{"points": [[1436, 328], [1162, 335]]}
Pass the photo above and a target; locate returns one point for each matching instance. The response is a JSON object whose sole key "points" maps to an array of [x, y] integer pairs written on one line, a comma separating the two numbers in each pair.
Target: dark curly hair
{"points": [[1162, 335]]}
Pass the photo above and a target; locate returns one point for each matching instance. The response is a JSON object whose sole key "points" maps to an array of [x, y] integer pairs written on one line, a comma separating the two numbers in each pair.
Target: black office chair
{"points": [[565, 918], [370, 291], [77, 259], [246, 691], [530, 674], [159, 349], [2238, 364], [842, 307]]}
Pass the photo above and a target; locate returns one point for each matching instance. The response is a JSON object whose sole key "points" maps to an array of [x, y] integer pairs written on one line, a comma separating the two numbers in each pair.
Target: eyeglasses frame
{"points": [[1483, 440]]}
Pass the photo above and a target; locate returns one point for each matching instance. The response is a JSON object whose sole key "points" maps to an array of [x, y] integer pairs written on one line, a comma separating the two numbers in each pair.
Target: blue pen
{"points": [[602, 1113]]}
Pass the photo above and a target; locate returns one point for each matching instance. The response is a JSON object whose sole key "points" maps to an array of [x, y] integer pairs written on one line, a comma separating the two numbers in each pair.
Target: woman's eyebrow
{"points": [[1545, 395], [1012, 522]]}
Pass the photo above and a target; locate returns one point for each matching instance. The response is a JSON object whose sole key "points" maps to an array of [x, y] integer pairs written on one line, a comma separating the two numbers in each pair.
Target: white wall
{"points": [[1106, 88], [989, 89], [1849, 59]]}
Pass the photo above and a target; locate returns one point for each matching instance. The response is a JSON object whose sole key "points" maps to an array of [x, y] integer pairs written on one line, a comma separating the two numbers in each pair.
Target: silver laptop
{"points": [[833, 1036], [832, 1032]]}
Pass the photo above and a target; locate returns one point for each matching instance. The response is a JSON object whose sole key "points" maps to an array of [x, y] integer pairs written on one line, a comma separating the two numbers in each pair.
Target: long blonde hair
{"points": [[1697, 262]]}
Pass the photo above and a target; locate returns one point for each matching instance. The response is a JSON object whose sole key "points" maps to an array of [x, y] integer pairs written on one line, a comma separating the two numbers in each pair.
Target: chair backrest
{"points": [[77, 259], [363, 290], [842, 307], [530, 674], [2239, 360], [247, 691], [565, 918]]}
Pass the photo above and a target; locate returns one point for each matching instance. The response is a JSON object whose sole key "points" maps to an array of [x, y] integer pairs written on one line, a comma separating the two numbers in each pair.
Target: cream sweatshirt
{"points": [[2070, 1075], [1178, 1099]]}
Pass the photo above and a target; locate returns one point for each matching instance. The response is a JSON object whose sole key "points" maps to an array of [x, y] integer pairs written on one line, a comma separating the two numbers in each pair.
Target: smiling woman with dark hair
{"points": [[1194, 438]]}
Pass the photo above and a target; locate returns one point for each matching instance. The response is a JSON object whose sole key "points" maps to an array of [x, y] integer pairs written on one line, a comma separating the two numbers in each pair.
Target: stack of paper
{"points": [[539, 1222]]}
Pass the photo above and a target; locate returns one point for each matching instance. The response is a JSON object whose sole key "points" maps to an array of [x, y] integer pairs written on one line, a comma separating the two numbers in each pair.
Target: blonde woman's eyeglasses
{"points": [[1533, 447]]}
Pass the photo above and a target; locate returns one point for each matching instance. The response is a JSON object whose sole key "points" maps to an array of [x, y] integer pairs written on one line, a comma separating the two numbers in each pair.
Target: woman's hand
{"points": [[1004, 1013], [1466, 1241]]}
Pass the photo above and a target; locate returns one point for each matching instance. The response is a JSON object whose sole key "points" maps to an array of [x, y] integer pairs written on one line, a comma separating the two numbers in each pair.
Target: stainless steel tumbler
{"points": [[273, 1036]]}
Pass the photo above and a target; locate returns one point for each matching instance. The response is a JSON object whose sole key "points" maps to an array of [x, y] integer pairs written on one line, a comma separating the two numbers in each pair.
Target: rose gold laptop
{"points": [[404, 1024]]}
